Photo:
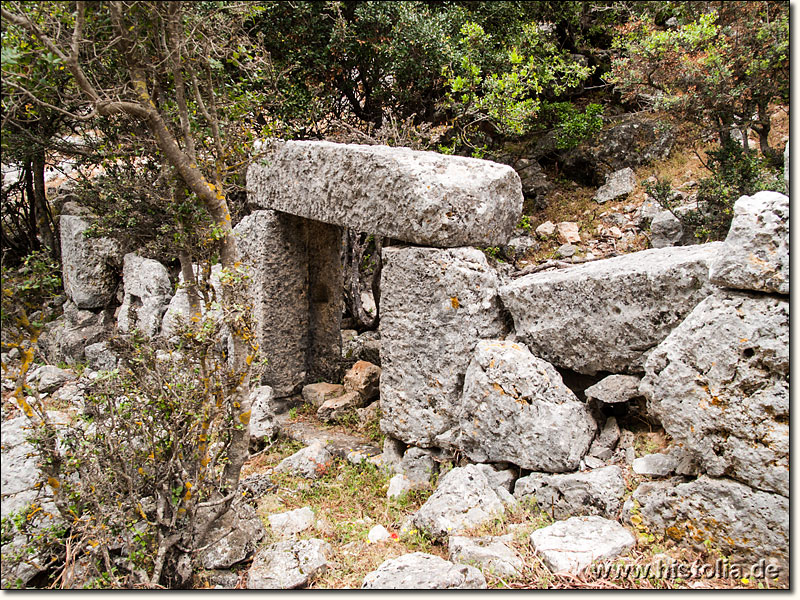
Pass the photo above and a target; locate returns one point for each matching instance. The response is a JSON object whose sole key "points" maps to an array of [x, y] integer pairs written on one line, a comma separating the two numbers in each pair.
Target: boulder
{"points": [[418, 466], [90, 266], [666, 230], [148, 292], [262, 413], [424, 198], [49, 378], [491, 554], [232, 538], [605, 315], [719, 384], [566, 251], [312, 462], [743, 523], [516, 409], [363, 378], [594, 492], [655, 465], [614, 389], [316, 394], [337, 408], [100, 357], [289, 565], [617, 186], [66, 338], [568, 232], [435, 307], [756, 251], [420, 571], [399, 485], [290, 523], [464, 498], [572, 545]]}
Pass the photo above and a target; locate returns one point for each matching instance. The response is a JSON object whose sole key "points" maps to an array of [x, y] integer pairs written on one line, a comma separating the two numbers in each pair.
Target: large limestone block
{"points": [[720, 386], [594, 492], [515, 408], [605, 315], [148, 292], [756, 251], [742, 522], [420, 197], [435, 307], [90, 265]]}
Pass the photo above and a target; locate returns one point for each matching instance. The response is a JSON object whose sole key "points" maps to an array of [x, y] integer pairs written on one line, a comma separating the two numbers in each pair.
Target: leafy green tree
{"points": [[720, 68]]}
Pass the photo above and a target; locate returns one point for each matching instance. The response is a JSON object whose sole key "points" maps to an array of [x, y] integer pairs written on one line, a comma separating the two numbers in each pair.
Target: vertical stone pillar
{"points": [[325, 287]]}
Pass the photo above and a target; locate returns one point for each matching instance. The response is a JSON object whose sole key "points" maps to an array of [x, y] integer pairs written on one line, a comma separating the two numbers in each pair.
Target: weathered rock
{"points": [[148, 292], [742, 522], [603, 445], [720, 386], [568, 232], [378, 534], [311, 462], [420, 197], [614, 389], [464, 498], [369, 413], [291, 523], [99, 357], [498, 477], [435, 306], [418, 466], [180, 309], [289, 565], [420, 571], [520, 245], [617, 186], [655, 465], [295, 288], [490, 554], [339, 444], [566, 251], [516, 409], [316, 394], [90, 265], [20, 473], [534, 181], [232, 538], [49, 378], [546, 229], [366, 346], [364, 378], [262, 413], [572, 545], [604, 315], [756, 252], [66, 338], [393, 451], [666, 230], [595, 492], [336, 408], [399, 485]]}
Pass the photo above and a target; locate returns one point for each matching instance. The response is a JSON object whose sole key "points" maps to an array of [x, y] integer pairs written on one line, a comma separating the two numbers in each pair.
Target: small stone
{"points": [[312, 462], [399, 485], [289, 565], [291, 523], [618, 185], [607, 440], [655, 465], [566, 250], [614, 389], [666, 230], [546, 229], [419, 467], [420, 571], [491, 554], [363, 378], [317, 393], [568, 232], [99, 357], [262, 414], [51, 378], [378, 534], [336, 408], [572, 545], [369, 413], [595, 492]]}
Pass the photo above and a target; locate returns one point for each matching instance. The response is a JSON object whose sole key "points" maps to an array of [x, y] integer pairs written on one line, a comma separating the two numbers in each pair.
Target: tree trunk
{"points": [[44, 218]]}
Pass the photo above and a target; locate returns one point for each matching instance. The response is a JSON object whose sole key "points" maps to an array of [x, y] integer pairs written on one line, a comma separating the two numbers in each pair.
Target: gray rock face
{"points": [[311, 462], [435, 305], [756, 252], [572, 545], [666, 230], [595, 492], [604, 315], [490, 554], [655, 465], [516, 409], [742, 522], [291, 523], [147, 295], [618, 185], [614, 389], [66, 338], [100, 357], [289, 565], [464, 498], [234, 537], [49, 378], [366, 346], [720, 386], [262, 413], [603, 445], [90, 266], [420, 197], [420, 571], [296, 292], [418, 466]]}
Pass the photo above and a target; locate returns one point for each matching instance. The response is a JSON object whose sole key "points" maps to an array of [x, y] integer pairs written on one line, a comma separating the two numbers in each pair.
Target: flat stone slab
{"points": [[572, 545], [420, 571], [339, 444], [420, 197]]}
